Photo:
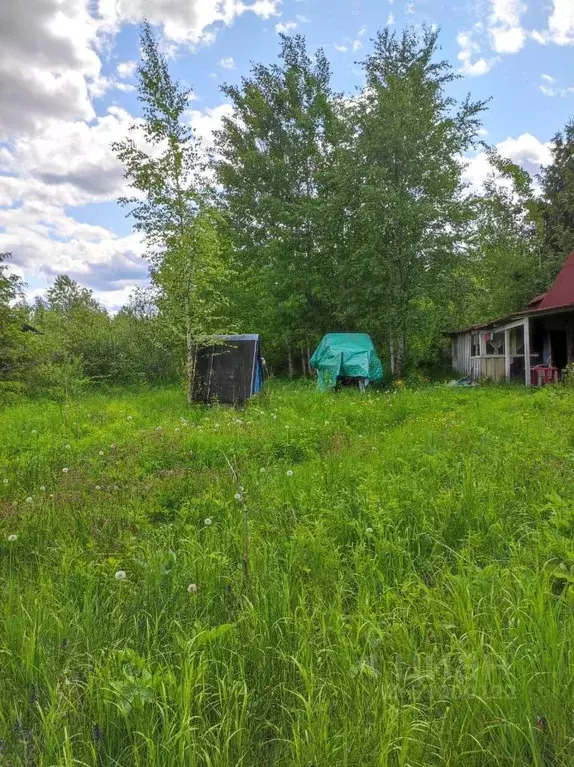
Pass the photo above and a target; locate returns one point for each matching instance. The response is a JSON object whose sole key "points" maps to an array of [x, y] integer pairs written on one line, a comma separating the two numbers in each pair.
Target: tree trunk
{"points": [[392, 355], [303, 365], [289, 361], [309, 368], [190, 354], [400, 358]]}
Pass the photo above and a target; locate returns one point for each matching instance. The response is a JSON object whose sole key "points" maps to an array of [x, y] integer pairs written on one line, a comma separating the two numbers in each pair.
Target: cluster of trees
{"points": [[66, 340], [314, 211]]}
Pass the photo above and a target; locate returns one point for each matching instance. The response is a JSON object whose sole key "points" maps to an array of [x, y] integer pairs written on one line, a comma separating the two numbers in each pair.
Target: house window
{"points": [[494, 343], [475, 345]]}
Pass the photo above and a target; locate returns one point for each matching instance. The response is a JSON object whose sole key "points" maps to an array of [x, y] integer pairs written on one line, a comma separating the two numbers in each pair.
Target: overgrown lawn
{"points": [[408, 599]]}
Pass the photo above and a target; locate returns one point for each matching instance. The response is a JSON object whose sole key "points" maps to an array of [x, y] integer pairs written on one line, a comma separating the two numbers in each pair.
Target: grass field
{"points": [[406, 601]]}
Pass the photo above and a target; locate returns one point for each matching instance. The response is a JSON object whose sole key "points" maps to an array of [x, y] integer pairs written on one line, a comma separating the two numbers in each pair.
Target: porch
{"points": [[531, 349]]}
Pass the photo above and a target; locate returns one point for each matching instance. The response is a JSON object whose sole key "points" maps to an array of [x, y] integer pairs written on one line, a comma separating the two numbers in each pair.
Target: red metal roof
{"points": [[562, 291]]}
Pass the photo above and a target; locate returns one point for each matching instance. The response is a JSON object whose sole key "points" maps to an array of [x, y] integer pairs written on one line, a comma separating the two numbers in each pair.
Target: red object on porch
{"points": [[543, 374]]}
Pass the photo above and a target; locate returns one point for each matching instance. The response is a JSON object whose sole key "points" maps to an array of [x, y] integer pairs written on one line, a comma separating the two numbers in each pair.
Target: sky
{"points": [[67, 90]]}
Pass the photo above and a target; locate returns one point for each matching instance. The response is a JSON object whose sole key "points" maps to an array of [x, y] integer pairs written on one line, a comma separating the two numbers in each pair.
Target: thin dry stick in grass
{"points": [[245, 521]]}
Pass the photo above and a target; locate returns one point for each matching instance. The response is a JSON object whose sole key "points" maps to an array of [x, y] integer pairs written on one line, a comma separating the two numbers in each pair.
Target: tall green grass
{"points": [[408, 597]]}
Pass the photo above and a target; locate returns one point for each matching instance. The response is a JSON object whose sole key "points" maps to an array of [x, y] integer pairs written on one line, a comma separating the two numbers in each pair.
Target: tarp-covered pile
{"points": [[346, 355]]}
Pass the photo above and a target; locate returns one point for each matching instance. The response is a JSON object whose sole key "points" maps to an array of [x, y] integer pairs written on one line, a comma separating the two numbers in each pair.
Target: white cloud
{"points": [[409, 8], [561, 23], [68, 163], [206, 122], [525, 150], [189, 22], [551, 88], [504, 26], [227, 62], [528, 151], [390, 19], [469, 50], [362, 31], [47, 59], [126, 69], [342, 48], [283, 27], [356, 45], [302, 19]]}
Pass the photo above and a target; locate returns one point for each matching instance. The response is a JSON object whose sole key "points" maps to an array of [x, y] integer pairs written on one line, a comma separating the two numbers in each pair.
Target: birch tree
{"points": [[171, 205]]}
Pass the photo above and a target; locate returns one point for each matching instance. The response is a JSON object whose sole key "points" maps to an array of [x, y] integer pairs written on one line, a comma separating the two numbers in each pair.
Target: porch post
{"points": [[507, 354], [527, 351]]}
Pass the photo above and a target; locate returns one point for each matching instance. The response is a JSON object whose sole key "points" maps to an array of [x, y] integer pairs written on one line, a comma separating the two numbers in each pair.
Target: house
{"points": [[532, 346]]}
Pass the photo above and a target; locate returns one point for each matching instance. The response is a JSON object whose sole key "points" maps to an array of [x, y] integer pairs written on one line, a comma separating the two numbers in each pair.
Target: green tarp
{"points": [[346, 355]]}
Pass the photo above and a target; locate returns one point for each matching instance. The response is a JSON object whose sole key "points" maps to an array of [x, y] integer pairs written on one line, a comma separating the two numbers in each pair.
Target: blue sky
{"points": [[67, 91]]}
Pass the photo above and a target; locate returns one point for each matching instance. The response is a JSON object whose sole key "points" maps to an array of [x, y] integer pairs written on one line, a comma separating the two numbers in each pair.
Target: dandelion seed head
{"points": [[12, 537], [289, 473], [192, 588], [207, 521], [121, 575]]}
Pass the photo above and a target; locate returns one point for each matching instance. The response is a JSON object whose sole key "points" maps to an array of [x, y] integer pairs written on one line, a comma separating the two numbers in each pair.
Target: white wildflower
{"points": [[29, 499], [13, 537], [113, 446], [67, 447], [98, 487], [238, 497], [176, 428], [192, 588], [158, 428], [43, 488], [207, 521], [289, 473], [262, 470], [65, 470], [34, 431], [101, 452], [5, 480], [369, 530], [121, 575], [129, 418]]}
